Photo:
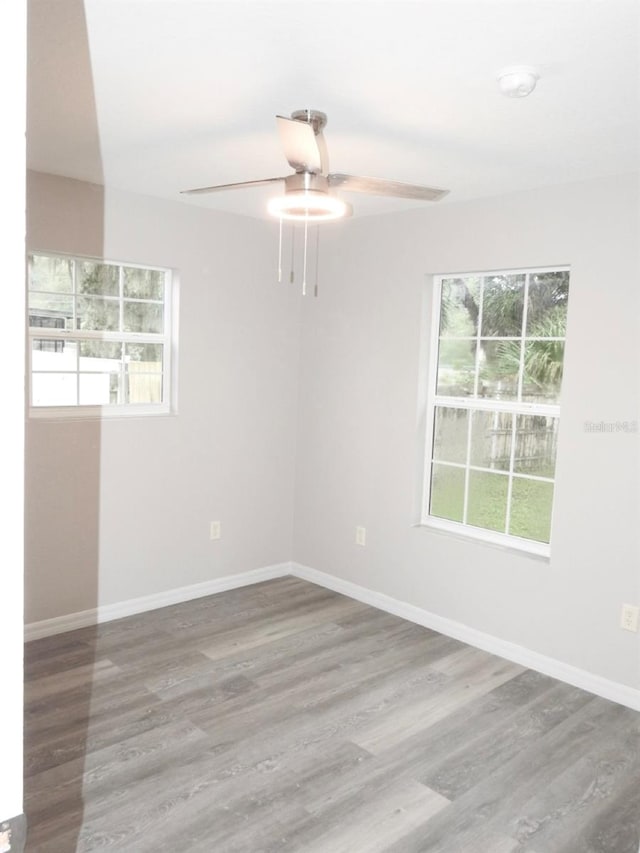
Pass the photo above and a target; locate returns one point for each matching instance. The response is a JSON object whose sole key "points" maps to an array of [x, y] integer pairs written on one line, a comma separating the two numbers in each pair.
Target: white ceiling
{"points": [[157, 96]]}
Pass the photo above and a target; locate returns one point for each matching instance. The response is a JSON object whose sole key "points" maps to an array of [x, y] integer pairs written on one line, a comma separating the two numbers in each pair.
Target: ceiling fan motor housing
{"points": [[307, 182], [315, 118]]}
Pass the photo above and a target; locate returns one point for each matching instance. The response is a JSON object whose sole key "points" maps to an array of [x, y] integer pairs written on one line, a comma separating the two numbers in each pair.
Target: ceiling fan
{"points": [[308, 192]]}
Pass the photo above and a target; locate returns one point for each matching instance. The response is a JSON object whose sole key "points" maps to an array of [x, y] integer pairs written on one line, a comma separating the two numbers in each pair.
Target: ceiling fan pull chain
{"points": [[304, 260], [293, 235], [315, 289], [280, 253]]}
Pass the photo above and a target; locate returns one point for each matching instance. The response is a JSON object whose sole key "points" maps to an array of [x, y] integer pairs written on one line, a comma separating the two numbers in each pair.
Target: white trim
{"points": [[480, 403], [91, 413], [435, 401], [477, 540], [526, 547], [108, 612], [515, 271], [612, 690]]}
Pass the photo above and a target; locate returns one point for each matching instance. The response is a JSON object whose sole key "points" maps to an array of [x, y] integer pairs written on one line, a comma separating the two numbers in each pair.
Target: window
{"points": [[494, 404], [99, 335]]}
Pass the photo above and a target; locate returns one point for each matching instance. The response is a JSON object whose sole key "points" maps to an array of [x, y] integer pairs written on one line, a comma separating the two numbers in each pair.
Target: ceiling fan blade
{"points": [[300, 145], [380, 186], [237, 186]]}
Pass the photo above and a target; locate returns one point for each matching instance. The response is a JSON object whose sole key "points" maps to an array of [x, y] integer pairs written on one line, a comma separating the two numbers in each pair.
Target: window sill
{"points": [[97, 413], [540, 553]]}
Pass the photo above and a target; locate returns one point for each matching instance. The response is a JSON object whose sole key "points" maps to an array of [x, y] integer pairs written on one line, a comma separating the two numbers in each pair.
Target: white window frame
{"points": [[168, 338], [433, 401]]}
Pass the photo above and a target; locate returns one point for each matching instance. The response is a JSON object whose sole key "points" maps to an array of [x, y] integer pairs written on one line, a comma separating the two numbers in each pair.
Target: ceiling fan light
{"points": [[308, 206]]}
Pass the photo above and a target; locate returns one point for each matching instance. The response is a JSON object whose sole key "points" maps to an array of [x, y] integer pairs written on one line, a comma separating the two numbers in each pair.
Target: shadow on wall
{"points": [[62, 458]]}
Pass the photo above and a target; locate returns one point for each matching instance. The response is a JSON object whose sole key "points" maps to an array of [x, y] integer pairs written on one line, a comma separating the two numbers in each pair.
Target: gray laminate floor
{"points": [[284, 717]]}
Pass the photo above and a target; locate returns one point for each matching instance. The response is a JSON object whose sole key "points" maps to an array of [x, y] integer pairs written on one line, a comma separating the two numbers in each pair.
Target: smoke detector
{"points": [[518, 81]]}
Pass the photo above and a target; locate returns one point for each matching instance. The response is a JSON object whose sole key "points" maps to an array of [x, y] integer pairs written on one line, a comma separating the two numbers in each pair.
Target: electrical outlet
{"points": [[215, 531], [361, 535], [629, 617]]}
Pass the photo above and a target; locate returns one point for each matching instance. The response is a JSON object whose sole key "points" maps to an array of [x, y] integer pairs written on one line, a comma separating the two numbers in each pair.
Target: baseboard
{"points": [[612, 690], [108, 612]]}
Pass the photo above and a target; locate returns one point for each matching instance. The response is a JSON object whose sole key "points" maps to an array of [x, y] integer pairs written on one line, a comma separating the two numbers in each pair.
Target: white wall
{"points": [[118, 509], [358, 421], [12, 205]]}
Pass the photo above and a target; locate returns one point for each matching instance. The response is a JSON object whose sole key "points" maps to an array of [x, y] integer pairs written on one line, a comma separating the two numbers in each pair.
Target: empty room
{"points": [[322, 478]]}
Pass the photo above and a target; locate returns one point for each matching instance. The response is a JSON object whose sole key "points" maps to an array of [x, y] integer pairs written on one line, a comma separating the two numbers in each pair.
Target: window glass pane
{"points": [[491, 440], [143, 387], [542, 380], [502, 306], [101, 279], [96, 314], [101, 350], [101, 365], [531, 509], [487, 502], [47, 321], [51, 310], [53, 356], [52, 274], [143, 284], [95, 389], [450, 435], [536, 443], [499, 366], [144, 373], [459, 307], [456, 367], [149, 354], [97, 352], [54, 389], [447, 492], [547, 304], [143, 317], [44, 345]]}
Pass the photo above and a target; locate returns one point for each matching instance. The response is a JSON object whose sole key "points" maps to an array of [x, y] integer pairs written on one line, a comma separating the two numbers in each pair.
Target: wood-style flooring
{"points": [[285, 717]]}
